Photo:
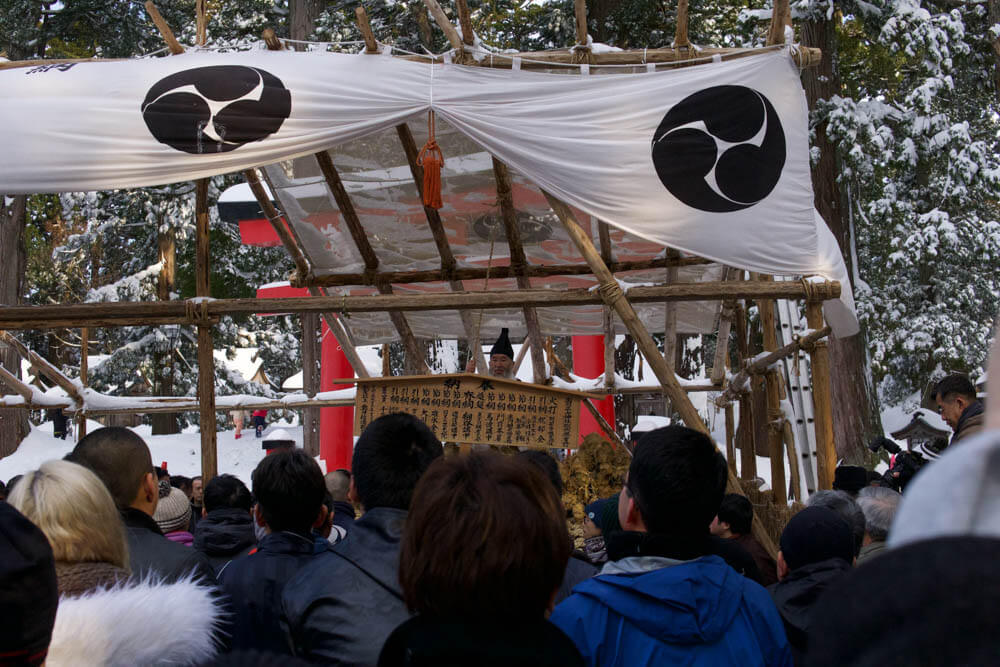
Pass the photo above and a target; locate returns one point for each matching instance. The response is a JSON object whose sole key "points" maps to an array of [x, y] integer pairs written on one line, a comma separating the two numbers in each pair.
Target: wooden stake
{"points": [[201, 23], [776, 31], [681, 40], [519, 262], [826, 453], [775, 416], [371, 45], [84, 372], [614, 297], [165, 31], [206, 360], [271, 40], [580, 10], [465, 20]]}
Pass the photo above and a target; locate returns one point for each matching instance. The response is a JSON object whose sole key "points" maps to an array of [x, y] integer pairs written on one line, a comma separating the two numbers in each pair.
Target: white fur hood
{"points": [[143, 623]]}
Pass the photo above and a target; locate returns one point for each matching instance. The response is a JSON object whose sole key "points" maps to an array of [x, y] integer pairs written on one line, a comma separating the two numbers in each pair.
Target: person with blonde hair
{"points": [[76, 513], [104, 617]]}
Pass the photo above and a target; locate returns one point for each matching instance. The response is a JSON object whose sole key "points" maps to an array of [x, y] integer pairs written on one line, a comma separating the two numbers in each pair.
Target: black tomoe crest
{"points": [[721, 149], [215, 109]]}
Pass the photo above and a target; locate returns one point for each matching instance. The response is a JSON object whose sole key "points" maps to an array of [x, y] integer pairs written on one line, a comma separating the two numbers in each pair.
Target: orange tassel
{"points": [[432, 160]]}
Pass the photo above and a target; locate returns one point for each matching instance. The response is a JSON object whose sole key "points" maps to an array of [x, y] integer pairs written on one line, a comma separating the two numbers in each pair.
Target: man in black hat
{"points": [[501, 357]]}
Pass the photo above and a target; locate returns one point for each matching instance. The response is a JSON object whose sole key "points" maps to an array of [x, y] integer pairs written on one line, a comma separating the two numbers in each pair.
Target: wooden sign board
{"points": [[475, 409]]}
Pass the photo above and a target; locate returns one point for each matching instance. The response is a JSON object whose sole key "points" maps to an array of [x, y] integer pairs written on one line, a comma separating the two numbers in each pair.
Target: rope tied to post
{"points": [[610, 292], [431, 160]]}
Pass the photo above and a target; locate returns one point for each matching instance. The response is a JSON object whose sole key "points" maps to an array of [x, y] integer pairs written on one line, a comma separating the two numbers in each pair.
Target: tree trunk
{"points": [[856, 417], [163, 383], [302, 17], [13, 421]]}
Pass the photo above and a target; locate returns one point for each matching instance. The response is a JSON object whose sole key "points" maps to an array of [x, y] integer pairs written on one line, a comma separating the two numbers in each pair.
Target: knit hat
{"points": [[929, 603], [503, 346], [816, 534], [28, 589], [173, 513], [850, 479], [604, 514]]}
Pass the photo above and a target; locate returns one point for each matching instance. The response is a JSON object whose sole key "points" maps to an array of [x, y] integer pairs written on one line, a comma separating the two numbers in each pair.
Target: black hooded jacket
{"points": [[795, 597], [224, 534]]}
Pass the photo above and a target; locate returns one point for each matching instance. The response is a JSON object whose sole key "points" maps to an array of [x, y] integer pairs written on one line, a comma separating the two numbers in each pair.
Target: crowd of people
{"points": [[467, 560]]}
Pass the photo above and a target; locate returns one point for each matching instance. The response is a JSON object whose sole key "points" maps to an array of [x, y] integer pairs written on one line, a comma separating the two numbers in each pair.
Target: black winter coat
{"points": [[795, 597], [224, 534], [578, 569], [253, 585], [151, 553], [428, 642], [341, 607]]}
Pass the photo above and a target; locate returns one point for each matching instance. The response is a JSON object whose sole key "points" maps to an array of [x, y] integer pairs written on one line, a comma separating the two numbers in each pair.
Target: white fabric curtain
{"points": [[712, 159]]}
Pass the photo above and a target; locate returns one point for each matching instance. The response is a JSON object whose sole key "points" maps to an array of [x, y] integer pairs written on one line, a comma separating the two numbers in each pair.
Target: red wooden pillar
{"points": [[336, 425], [588, 362]]}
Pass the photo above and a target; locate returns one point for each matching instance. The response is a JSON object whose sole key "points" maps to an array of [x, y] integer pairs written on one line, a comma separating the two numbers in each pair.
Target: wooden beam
{"points": [[722, 341], [271, 40], [605, 426], [461, 57], [206, 347], [775, 416], [371, 44], [84, 373], [414, 352], [43, 366], [161, 25], [521, 354], [609, 348], [670, 317], [448, 262], [580, 11], [519, 263], [465, 21], [803, 57], [793, 459], [614, 297], [160, 312], [12, 381], [310, 381], [730, 439], [201, 23], [759, 365], [302, 265], [819, 361], [479, 273], [780, 13], [681, 40]]}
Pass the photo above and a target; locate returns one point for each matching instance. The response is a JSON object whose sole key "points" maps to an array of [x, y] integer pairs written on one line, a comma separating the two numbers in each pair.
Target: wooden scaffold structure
{"points": [[733, 293]]}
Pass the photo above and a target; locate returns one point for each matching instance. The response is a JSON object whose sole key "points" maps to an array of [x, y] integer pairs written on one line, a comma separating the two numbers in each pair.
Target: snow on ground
{"points": [[181, 452]]}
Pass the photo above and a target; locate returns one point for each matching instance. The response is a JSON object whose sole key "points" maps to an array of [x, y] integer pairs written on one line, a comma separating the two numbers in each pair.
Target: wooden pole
{"points": [[826, 459], [519, 261], [201, 23], [681, 40], [371, 45], [521, 354], [461, 57], [722, 341], [776, 31], [775, 416], [670, 318], [609, 348], [465, 21], [747, 426], [11, 380], [793, 458], [84, 372], [606, 427], [271, 40], [153, 313], [206, 361], [161, 25], [614, 297], [730, 439], [310, 384], [452, 272]]}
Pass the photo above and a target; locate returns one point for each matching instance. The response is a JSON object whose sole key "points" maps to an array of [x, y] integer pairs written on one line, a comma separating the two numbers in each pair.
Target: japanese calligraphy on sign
{"points": [[476, 409]]}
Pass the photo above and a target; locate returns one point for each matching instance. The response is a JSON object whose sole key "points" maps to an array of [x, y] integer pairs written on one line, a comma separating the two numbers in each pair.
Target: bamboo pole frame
{"points": [[614, 297]]}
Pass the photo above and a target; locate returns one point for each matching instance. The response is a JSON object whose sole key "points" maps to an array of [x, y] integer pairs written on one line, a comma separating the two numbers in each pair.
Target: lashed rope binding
{"points": [[431, 160]]}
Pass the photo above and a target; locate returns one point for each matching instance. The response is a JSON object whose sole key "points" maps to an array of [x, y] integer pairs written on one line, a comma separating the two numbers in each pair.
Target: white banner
{"points": [[713, 159]]}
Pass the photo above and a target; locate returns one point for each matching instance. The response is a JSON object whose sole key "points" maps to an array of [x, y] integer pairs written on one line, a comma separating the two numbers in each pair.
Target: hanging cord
{"points": [[432, 160]]}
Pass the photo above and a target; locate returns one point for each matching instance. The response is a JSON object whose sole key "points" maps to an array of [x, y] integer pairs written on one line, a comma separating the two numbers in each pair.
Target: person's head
{"points": [[675, 483], [953, 394], [183, 483], [197, 489], [546, 464], [226, 492], [289, 490], [502, 356], [812, 536], [734, 518], [848, 510], [76, 513], [850, 479], [338, 484], [29, 592], [879, 505], [601, 517], [173, 512], [485, 537], [121, 460], [389, 457]]}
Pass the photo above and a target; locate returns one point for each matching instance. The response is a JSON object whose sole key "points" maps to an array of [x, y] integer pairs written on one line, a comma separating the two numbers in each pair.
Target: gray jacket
{"points": [[340, 608]]}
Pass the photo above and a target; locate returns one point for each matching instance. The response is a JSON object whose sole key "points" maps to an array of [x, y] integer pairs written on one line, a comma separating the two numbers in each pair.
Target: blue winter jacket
{"points": [[698, 612]]}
